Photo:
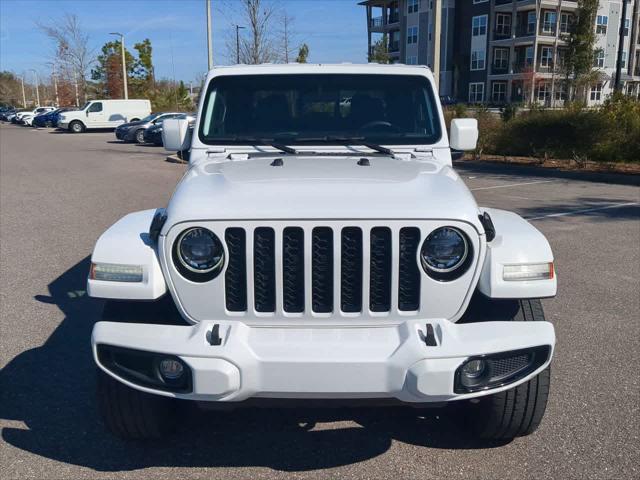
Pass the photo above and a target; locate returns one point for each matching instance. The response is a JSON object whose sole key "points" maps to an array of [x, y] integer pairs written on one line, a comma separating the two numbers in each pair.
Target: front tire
{"points": [[518, 411], [131, 414], [140, 136], [76, 127]]}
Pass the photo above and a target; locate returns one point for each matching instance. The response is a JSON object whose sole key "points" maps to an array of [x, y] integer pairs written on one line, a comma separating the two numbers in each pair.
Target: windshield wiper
{"points": [[360, 141], [261, 141]]}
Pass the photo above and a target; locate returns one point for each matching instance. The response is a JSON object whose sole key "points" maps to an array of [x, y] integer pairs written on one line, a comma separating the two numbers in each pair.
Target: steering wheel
{"points": [[379, 123]]}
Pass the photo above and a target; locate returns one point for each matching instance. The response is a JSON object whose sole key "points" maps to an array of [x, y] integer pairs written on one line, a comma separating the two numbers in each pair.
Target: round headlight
{"points": [[199, 251], [444, 251]]}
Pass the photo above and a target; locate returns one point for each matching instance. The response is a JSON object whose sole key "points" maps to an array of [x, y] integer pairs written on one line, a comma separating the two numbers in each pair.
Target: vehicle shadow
{"points": [[51, 390]]}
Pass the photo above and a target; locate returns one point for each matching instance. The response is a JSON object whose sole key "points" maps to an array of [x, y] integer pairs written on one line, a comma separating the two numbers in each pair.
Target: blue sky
{"points": [[335, 30]]}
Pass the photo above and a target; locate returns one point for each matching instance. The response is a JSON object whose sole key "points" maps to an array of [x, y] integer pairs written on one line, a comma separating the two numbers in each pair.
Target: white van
{"points": [[104, 114]]}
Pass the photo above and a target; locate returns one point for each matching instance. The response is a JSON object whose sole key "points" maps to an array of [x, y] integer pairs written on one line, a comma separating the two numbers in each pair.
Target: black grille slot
{"points": [[409, 281], [322, 270], [380, 270], [235, 278], [293, 269], [351, 276], [264, 269]]}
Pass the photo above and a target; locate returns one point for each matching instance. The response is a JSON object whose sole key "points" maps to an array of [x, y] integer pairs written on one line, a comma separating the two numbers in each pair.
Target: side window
{"points": [[96, 107]]}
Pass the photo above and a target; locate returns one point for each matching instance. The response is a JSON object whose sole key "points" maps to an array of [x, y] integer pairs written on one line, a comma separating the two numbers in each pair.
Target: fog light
{"points": [[171, 369], [474, 368], [528, 271]]}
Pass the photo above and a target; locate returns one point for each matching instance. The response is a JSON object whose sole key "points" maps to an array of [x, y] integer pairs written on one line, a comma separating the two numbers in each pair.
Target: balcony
{"points": [[499, 69], [522, 67], [548, 29], [525, 30], [502, 33]]}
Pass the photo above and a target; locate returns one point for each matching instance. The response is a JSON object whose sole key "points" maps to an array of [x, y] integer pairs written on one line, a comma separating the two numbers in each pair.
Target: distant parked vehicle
{"points": [[7, 113], [49, 119], [104, 114], [134, 131], [153, 134], [447, 100], [23, 116]]}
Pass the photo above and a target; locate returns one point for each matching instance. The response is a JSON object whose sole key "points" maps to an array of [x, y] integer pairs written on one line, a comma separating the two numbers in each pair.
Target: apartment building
{"points": [[408, 26], [500, 51]]}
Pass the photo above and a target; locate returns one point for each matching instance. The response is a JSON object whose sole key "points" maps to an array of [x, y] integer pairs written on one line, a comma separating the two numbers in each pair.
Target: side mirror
{"points": [[175, 134], [464, 134]]}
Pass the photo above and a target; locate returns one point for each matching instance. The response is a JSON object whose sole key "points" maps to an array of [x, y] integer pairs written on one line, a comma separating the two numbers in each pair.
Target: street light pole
{"points": [[124, 65], [37, 86], [24, 98], [618, 81], [209, 37], [238, 27], [55, 84]]}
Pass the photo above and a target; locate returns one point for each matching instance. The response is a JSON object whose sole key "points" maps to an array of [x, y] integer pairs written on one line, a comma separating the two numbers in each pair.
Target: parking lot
{"points": [[59, 192]]}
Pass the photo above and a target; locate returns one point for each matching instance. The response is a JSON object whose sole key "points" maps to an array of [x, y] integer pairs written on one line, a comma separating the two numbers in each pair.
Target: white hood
{"points": [[321, 187]]}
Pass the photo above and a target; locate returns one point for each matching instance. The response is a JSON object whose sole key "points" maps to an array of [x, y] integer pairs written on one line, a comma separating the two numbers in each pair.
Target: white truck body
{"points": [[105, 114], [254, 196]]}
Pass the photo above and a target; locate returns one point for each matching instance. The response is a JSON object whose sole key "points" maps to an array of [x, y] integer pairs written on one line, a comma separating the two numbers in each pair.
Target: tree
{"points": [[287, 34], [380, 51], [72, 51], [578, 60], [259, 47], [10, 89], [303, 53]]}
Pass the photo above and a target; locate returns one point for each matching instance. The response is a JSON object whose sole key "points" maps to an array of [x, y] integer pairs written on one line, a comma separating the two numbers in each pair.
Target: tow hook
{"points": [[214, 335]]}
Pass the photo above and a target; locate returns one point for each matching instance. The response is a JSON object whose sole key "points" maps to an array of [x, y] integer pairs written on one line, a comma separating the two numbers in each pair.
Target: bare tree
{"points": [[288, 37], [72, 49], [259, 46]]}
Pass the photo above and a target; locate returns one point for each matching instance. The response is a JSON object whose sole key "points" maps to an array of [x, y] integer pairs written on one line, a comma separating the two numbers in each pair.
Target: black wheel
{"points": [[76, 127], [131, 414], [518, 411], [140, 136]]}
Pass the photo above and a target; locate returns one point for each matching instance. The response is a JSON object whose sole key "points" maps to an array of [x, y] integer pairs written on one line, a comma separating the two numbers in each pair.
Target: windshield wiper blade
{"points": [[261, 141], [361, 141]]}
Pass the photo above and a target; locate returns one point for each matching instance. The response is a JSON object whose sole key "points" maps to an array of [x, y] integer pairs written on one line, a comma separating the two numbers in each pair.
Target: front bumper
{"points": [[332, 362], [63, 124]]}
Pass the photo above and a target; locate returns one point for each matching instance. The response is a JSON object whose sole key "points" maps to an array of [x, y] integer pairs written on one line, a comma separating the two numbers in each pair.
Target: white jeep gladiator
{"points": [[319, 249]]}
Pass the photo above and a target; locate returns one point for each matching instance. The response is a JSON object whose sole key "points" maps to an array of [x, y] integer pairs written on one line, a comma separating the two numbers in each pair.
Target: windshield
{"points": [[316, 108], [84, 107], [148, 118]]}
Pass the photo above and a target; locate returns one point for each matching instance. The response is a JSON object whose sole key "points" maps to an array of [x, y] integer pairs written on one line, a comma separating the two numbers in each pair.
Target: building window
{"points": [[476, 92], [544, 92], [601, 24], [564, 22], [546, 57], [478, 58], [412, 60], [531, 22], [479, 25], [503, 24], [528, 56], [626, 27], [549, 22], [412, 35], [596, 92], [598, 60], [624, 60], [413, 6], [499, 92], [501, 58]]}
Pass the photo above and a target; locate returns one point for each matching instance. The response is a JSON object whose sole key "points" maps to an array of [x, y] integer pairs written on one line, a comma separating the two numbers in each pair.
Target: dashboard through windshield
{"points": [[299, 109]]}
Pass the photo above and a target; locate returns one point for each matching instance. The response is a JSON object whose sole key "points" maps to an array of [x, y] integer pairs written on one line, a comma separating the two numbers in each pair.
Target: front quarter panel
{"points": [[127, 242], [516, 242]]}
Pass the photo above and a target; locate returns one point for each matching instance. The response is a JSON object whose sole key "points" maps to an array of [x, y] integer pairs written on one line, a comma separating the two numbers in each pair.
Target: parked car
{"points": [[153, 134], [447, 100], [104, 114], [49, 119], [134, 131], [25, 116], [7, 114], [310, 255]]}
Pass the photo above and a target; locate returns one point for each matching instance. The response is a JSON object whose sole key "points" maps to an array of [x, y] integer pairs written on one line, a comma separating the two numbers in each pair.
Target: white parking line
{"points": [[586, 210], [513, 185]]}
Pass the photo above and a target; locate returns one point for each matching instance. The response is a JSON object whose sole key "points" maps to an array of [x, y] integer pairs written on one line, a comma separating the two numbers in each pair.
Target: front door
{"points": [[95, 116]]}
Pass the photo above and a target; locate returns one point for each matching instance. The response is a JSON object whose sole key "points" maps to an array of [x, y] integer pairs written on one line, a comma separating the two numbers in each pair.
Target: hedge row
{"points": [[608, 133]]}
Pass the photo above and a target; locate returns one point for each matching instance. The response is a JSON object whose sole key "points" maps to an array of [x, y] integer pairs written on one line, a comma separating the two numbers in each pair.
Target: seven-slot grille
{"points": [[350, 269]]}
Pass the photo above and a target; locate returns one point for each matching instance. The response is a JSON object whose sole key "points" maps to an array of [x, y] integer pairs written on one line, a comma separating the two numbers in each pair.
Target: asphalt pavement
{"points": [[59, 192]]}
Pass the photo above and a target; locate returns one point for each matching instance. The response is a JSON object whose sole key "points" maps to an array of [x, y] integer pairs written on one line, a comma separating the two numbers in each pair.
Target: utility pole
{"points": [[24, 98], [75, 81], [238, 27], [124, 65], [37, 86], [55, 84], [209, 38], [437, 28], [618, 84]]}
